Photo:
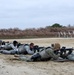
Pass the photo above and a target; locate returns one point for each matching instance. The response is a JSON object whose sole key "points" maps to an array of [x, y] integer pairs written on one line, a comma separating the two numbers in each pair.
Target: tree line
{"points": [[55, 30]]}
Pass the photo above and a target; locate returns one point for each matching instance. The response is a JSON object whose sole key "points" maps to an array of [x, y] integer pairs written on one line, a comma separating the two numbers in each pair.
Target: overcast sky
{"points": [[35, 13]]}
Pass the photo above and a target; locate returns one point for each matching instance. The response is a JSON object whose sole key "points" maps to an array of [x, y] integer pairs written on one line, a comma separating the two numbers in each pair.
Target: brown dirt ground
{"points": [[8, 66]]}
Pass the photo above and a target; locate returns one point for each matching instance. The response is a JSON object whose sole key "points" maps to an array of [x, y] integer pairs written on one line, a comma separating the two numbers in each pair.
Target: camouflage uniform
{"points": [[43, 55]]}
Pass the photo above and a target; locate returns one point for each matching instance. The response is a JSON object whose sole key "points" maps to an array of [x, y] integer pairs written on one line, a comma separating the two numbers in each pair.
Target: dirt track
{"points": [[15, 67]]}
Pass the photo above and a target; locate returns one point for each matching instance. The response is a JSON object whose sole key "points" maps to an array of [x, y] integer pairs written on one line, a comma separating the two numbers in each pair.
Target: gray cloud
{"points": [[35, 13]]}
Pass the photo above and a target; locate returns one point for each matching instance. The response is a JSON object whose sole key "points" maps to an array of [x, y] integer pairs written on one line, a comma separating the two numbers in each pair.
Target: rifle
{"points": [[64, 52]]}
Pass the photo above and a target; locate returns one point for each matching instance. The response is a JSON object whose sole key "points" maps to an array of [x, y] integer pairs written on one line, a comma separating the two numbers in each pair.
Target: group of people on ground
{"points": [[37, 53]]}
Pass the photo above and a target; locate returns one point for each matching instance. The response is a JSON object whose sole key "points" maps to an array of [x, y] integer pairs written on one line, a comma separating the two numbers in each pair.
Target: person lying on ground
{"points": [[29, 49], [22, 49], [43, 55], [26, 49], [9, 46], [12, 46], [66, 54], [50, 52]]}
